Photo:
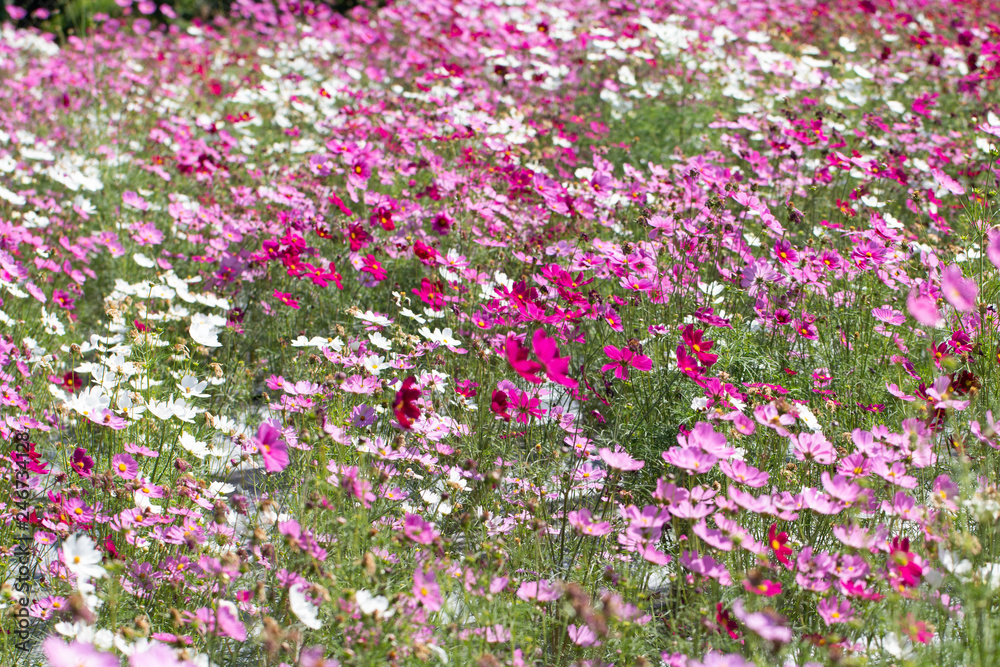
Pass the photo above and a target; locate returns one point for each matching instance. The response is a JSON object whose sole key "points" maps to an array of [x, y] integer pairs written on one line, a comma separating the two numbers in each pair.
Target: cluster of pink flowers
{"points": [[383, 334]]}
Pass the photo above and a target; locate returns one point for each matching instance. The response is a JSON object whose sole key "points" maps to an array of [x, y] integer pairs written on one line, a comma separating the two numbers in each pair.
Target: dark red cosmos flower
{"points": [[404, 407], [357, 237], [499, 405], [382, 216], [777, 541], [32, 460], [71, 381], [425, 253], [81, 463]]}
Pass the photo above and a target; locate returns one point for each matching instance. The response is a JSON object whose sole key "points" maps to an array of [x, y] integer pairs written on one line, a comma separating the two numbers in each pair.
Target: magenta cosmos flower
{"points": [[517, 357], [624, 358], [767, 588], [272, 448], [548, 356]]}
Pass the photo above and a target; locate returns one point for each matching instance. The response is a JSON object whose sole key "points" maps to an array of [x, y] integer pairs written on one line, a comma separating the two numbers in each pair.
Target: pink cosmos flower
{"points": [[426, 589], [624, 358], [888, 315], [942, 397], [133, 200], [779, 544], [77, 654], [894, 474], [582, 635], [581, 521], [542, 591], [741, 423], [692, 459], [768, 625], [923, 308], [418, 530], [228, 623], [124, 466], [813, 447], [688, 364], [526, 406], [620, 459], [693, 339], [958, 291], [840, 488], [767, 415], [993, 249], [157, 655], [894, 389], [742, 472], [272, 448], [833, 612], [374, 267], [706, 566]]}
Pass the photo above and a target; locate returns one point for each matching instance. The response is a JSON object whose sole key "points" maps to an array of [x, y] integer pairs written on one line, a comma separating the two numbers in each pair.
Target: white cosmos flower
{"points": [[12, 197], [143, 261], [159, 409], [91, 403], [127, 405], [205, 329], [182, 410], [225, 425], [82, 557], [52, 324], [374, 364], [120, 365], [369, 316], [413, 316], [380, 341], [197, 449], [437, 336], [371, 604], [190, 386], [302, 607]]}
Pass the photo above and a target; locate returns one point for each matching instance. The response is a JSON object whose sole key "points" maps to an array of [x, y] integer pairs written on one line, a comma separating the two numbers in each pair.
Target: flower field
{"points": [[502, 333]]}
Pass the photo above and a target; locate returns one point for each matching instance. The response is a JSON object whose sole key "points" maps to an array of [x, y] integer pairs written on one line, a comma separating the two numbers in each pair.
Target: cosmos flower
{"points": [[622, 359], [404, 405], [426, 589], [778, 544], [82, 557], [272, 448]]}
